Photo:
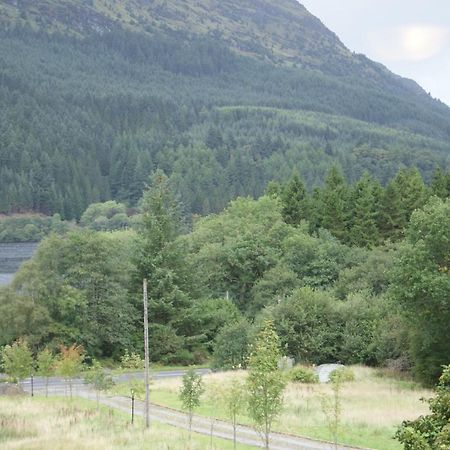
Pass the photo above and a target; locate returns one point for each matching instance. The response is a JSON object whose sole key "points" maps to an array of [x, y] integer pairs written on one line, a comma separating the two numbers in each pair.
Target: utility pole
{"points": [[147, 363]]}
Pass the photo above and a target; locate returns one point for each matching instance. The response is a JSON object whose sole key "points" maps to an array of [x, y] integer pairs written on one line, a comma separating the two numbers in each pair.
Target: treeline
{"points": [[105, 216], [218, 124], [211, 288], [364, 214], [31, 227]]}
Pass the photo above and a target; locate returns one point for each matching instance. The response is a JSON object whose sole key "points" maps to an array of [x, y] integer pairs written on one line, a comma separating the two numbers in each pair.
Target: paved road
{"points": [[220, 429], [55, 382]]}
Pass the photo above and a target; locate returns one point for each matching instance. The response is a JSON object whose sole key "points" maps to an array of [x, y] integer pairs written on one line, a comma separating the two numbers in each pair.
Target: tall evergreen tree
{"points": [[413, 192], [159, 258], [364, 231], [392, 219], [294, 201], [334, 203], [440, 184]]}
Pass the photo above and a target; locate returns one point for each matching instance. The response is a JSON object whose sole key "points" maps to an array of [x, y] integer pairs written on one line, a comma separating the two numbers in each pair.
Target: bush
{"points": [[300, 374], [431, 431], [401, 364], [164, 343], [343, 374], [183, 357], [131, 361], [231, 346]]}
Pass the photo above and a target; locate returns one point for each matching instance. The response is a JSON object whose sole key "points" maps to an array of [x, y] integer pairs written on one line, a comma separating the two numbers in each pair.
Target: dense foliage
{"points": [[219, 123], [31, 228], [421, 286], [431, 431], [281, 257]]}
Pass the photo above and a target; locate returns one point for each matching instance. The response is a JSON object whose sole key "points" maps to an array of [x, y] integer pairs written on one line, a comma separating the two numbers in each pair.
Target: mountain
{"points": [[223, 96]]}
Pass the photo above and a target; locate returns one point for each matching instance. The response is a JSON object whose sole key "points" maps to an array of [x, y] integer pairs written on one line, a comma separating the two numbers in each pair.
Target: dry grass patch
{"points": [[373, 405], [57, 424]]}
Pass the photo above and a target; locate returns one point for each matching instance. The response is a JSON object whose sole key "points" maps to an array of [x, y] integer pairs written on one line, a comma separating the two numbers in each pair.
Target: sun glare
{"points": [[421, 41]]}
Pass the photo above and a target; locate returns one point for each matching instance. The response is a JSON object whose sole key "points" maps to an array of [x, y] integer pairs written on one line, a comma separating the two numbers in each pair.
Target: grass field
{"points": [[57, 424], [372, 406]]}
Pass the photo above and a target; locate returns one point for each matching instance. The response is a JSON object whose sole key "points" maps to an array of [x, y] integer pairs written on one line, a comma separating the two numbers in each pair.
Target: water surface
{"points": [[11, 258]]}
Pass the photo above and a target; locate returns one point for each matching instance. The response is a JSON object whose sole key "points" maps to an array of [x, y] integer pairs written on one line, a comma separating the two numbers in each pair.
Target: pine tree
{"points": [[391, 222], [412, 189], [294, 201], [364, 232], [334, 203], [159, 258], [440, 184]]}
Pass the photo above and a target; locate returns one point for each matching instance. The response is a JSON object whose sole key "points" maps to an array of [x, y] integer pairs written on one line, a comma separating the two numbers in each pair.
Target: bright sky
{"points": [[410, 37]]}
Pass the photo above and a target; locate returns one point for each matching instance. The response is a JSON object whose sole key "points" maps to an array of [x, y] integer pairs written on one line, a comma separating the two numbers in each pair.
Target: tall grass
{"points": [[373, 405], [44, 424]]}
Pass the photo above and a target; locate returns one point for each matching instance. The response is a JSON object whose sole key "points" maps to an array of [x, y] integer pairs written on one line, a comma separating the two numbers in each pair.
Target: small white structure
{"points": [[324, 371]]}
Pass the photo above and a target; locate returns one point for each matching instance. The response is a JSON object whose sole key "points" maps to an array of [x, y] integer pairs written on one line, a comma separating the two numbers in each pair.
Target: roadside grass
{"points": [[59, 424], [373, 406]]}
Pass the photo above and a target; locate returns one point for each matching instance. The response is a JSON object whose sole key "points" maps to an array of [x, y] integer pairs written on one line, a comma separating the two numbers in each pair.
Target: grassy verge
{"points": [[59, 424], [372, 406]]}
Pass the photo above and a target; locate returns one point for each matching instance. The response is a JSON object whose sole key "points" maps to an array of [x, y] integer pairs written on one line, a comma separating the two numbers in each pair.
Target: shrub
{"points": [[231, 346], [131, 361], [300, 374], [431, 431], [344, 374], [183, 357]]}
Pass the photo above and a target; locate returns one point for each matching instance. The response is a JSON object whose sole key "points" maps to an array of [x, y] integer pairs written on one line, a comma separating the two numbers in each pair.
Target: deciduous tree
{"points": [[265, 382]]}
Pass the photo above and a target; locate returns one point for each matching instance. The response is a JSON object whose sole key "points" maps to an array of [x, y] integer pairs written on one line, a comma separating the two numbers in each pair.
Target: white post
{"points": [[147, 363]]}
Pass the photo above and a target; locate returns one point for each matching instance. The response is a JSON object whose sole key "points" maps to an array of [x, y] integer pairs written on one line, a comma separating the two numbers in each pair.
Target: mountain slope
{"points": [[280, 31], [97, 94]]}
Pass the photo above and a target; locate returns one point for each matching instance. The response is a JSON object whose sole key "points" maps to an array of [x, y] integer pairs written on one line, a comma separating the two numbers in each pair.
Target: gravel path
{"points": [[220, 429]]}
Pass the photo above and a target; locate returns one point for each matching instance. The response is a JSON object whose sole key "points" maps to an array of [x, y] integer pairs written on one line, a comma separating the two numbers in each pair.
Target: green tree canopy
{"points": [[421, 286]]}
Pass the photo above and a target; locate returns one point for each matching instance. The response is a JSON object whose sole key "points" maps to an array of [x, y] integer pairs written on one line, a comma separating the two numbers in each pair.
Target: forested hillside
{"points": [[222, 96]]}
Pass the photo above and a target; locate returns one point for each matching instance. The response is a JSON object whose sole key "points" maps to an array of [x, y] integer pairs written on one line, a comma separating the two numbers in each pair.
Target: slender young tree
{"points": [[98, 378], [332, 407], [234, 398], [265, 382], [191, 390], [70, 363], [46, 366], [17, 360]]}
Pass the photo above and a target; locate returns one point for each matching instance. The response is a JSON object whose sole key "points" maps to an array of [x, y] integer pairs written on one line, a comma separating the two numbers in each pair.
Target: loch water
{"points": [[11, 258]]}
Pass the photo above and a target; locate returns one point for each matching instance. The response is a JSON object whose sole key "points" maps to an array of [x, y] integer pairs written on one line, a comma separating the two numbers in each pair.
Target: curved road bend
{"points": [[221, 429]]}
